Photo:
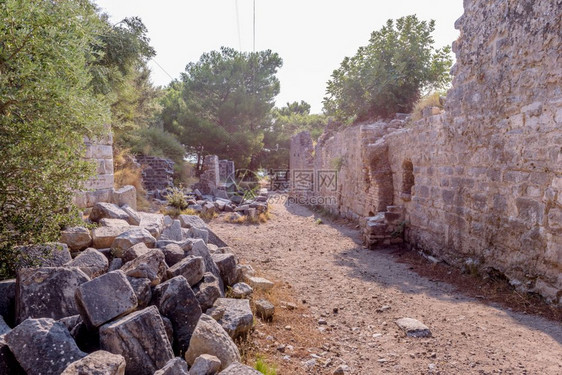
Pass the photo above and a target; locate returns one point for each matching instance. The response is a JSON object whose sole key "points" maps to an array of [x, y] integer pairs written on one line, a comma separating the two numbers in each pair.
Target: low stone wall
{"points": [[157, 173], [477, 185]]}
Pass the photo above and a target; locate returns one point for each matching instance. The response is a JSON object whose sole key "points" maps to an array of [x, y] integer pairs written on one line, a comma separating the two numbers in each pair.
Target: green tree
{"points": [[47, 106], [390, 73], [223, 104], [287, 121]]}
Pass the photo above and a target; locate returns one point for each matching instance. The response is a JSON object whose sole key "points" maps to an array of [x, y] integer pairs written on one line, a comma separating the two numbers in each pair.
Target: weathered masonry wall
{"points": [[157, 173], [481, 183]]}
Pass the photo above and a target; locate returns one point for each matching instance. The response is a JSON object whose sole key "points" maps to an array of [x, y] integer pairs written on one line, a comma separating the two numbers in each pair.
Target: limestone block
{"points": [[77, 238], [91, 262], [127, 195], [191, 268], [97, 363]]}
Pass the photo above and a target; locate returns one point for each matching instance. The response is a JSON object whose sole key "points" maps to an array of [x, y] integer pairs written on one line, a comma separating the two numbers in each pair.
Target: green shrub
{"points": [[264, 367], [176, 199], [155, 142]]}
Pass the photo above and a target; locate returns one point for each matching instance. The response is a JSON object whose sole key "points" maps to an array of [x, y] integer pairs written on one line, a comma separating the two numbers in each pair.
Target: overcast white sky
{"points": [[312, 36]]}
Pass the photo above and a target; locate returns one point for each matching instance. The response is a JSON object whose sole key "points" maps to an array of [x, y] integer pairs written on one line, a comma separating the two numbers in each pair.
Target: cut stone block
{"points": [[97, 363], [77, 238], [126, 240], [107, 210], [150, 265], [237, 319], [141, 338], [105, 298], [227, 267], [191, 267], [91, 262]]}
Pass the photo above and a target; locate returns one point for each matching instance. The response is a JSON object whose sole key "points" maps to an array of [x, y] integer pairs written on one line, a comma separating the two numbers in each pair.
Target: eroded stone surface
{"points": [[97, 363]]}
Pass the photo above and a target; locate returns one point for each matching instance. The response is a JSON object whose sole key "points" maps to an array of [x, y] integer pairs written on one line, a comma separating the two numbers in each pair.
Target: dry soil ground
{"points": [[347, 298]]}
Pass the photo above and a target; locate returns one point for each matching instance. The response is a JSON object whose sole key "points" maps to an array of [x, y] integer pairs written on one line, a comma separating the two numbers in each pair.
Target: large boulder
{"points": [[107, 210], [8, 363], [176, 366], [43, 346], [237, 318], [135, 251], [103, 237], [173, 253], [54, 254], [210, 338], [105, 222], [207, 291], [4, 328], [205, 364], [105, 298], [199, 248], [127, 195], [151, 265], [143, 290], [192, 221], [172, 232], [227, 267], [191, 267], [134, 217], [126, 240], [77, 238], [8, 300], [241, 290], [97, 363], [239, 369], [141, 338], [47, 292], [91, 262], [176, 301]]}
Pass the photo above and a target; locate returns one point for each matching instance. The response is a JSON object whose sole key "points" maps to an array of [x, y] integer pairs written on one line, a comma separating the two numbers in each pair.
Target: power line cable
{"points": [[160, 66]]}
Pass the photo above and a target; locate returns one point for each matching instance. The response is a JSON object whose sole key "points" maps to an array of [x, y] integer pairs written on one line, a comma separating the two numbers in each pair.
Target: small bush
{"points": [[176, 199], [264, 367]]}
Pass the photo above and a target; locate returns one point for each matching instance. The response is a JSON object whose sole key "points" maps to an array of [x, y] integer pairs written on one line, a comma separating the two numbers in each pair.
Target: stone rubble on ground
{"points": [[413, 327], [130, 299]]}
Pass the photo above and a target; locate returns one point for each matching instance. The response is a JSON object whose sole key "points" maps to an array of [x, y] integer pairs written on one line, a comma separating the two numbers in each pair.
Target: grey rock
{"points": [[265, 309], [173, 232], [77, 238], [105, 298], [210, 338], [241, 290], [167, 221], [53, 254], [103, 237], [207, 291], [176, 366], [4, 328], [199, 248], [134, 217], [134, 252], [259, 283], [215, 239], [169, 329], [150, 265], [153, 229], [116, 264], [113, 223], [191, 267], [43, 346], [107, 210], [8, 300], [142, 289], [192, 221], [97, 363], [226, 264], [126, 240], [91, 262], [199, 233], [127, 195], [8, 363], [176, 301], [413, 327], [239, 369], [205, 364], [173, 253], [237, 319], [341, 370], [47, 292], [141, 338]]}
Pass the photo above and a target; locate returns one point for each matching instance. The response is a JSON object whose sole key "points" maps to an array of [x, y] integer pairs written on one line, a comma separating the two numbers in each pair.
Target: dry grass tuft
{"points": [[430, 100], [127, 172]]}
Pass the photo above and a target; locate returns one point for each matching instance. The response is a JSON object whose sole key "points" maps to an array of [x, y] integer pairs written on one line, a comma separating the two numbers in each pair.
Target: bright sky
{"points": [[311, 36]]}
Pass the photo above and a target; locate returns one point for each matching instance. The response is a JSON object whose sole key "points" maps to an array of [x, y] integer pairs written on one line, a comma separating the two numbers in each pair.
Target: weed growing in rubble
{"points": [[264, 367]]}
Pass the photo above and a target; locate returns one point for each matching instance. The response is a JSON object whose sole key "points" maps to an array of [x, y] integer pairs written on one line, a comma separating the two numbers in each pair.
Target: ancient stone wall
{"points": [[481, 184], [98, 188], [226, 170], [157, 173], [210, 177]]}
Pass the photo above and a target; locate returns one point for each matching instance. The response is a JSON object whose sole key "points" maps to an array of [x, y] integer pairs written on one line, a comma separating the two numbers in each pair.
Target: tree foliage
{"points": [[390, 73], [287, 121], [47, 106], [222, 104]]}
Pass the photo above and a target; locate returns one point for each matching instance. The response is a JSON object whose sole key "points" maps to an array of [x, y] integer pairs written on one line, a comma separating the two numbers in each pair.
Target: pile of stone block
{"points": [[385, 228], [138, 294]]}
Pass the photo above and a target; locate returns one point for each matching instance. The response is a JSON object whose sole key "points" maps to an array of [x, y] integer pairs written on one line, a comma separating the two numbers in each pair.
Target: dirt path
{"points": [[324, 265]]}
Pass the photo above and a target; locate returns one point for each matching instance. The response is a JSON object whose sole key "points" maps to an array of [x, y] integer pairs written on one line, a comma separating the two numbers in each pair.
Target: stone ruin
{"points": [[479, 184], [157, 173]]}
